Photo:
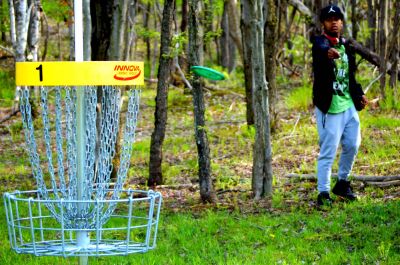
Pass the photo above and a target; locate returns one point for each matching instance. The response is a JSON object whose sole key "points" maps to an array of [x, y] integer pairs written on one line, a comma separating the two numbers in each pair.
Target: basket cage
{"points": [[50, 220]]}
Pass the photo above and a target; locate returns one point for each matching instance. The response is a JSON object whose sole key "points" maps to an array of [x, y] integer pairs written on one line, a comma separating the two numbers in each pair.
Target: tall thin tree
{"points": [[271, 29], [382, 46], [160, 115], [245, 27], [207, 193], [394, 49], [262, 152]]}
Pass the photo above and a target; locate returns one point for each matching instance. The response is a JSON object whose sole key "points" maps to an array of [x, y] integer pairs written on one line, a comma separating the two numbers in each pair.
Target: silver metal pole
{"points": [[82, 237]]}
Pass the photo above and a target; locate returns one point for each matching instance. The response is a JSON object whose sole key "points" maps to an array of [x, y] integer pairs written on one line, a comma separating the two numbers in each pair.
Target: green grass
{"points": [[7, 89], [300, 98], [367, 232]]}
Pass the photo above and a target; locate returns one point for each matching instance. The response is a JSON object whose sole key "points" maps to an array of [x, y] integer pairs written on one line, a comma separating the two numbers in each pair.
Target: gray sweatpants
{"points": [[333, 129]]}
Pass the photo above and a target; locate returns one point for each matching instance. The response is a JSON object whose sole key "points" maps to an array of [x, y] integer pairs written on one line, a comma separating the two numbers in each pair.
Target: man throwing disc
{"points": [[337, 98]]}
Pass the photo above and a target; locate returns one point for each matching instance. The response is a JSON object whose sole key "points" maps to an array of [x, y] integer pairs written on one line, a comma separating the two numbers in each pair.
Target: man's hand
{"points": [[364, 101], [333, 53]]}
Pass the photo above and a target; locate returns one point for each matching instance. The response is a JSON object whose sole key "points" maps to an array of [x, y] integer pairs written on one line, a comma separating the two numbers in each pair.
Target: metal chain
{"points": [[98, 166]]}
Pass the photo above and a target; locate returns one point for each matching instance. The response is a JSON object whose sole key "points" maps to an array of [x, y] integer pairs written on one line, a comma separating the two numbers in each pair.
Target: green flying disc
{"points": [[207, 72]]}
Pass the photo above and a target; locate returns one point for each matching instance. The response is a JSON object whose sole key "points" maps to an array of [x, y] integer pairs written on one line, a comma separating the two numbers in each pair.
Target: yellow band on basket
{"points": [[93, 73]]}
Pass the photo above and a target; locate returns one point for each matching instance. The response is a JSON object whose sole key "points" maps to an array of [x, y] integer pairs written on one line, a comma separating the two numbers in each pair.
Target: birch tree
{"points": [[87, 30], [20, 14]]}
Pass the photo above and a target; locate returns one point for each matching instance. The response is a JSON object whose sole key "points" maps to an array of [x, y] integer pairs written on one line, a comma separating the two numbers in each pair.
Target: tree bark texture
{"points": [[224, 60], [101, 12], [262, 152], [354, 19], [130, 29], [207, 193], [382, 46], [13, 28], [71, 33], [34, 30], [22, 18], [2, 21], [245, 26], [371, 24], [394, 49], [160, 115], [234, 28], [115, 26], [270, 50], [87, 30], [184, 21]]}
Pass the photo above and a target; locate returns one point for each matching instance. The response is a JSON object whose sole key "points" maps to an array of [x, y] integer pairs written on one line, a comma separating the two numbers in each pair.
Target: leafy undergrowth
{"points": [[286, 228]]}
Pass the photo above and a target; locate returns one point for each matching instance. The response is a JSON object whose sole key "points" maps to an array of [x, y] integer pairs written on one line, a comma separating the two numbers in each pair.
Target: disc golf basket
{"points": [[78, 209]]}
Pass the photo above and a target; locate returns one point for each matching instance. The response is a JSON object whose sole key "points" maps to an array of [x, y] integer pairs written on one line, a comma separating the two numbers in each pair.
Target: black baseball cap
{"points": [[330, 11]]}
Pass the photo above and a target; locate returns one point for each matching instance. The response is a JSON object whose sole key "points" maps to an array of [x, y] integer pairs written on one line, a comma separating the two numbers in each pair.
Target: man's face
{"points": [[333, 25]]}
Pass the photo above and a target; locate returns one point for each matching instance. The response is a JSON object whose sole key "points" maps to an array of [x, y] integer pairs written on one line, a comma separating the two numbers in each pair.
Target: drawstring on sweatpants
{"points": [[324, 120]]}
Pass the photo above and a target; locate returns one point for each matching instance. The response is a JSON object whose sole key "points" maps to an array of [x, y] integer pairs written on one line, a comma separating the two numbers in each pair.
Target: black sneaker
{"points": [[324, 199], [343, 189]]}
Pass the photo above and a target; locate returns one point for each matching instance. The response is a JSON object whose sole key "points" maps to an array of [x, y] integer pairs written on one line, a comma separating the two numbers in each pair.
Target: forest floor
{"points": [[295, 149]]}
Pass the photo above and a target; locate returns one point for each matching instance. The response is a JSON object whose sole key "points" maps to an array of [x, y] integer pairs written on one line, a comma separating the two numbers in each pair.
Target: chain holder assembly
{"points": [[80, 207]]}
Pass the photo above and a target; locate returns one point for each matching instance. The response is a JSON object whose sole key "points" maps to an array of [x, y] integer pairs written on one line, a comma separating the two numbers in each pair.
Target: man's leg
{"points": [[351, 140], [330, 128]]}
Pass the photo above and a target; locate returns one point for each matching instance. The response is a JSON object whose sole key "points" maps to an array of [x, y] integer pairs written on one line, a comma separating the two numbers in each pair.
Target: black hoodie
{"points": [[324, 74]]}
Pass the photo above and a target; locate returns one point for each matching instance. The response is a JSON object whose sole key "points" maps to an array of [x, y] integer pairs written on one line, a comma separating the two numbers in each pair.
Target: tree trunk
{"points": [[184, 21], [245, 26], [270, 51], [34, 32], [122, 28], [160, 115], [182, 60], [208, 24], [224, 60], [19, 23], [262, 152], [130, 29], [153, 58], [115, 26], [382, 46], [207, 193], [22, 17], [71, 33], [34, 36], [394, 49], [234, 29], [101, 14], [87, 30], [371, 25], [146, 24], [354, 19], [13, 29], [3, 22]]}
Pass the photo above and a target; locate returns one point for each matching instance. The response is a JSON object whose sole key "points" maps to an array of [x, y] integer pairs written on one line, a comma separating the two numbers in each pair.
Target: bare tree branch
{"points": [[8, 50]]}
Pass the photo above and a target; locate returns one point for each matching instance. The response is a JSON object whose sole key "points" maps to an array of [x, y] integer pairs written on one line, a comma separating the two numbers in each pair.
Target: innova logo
{"points": [[126, 72]]}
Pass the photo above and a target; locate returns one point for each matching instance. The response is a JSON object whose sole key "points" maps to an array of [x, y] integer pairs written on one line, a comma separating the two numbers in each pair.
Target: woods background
{"points": [[266, 42]]}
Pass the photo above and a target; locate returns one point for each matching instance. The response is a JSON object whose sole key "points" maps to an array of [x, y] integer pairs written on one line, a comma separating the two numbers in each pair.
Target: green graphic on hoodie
{"points": [[341, 100]]}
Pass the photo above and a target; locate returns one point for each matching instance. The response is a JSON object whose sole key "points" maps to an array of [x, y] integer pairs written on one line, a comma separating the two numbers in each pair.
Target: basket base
{"points": [[56, 248]]}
